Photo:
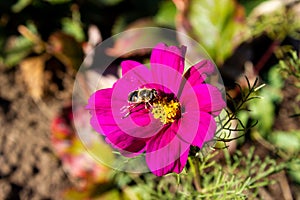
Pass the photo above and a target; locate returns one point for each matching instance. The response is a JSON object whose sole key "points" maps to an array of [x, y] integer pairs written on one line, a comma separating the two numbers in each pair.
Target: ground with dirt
{"points": [[29, 169]]}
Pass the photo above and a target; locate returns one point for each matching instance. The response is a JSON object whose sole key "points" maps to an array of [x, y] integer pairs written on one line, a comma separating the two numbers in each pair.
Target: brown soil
{"points": [[29, 169]]}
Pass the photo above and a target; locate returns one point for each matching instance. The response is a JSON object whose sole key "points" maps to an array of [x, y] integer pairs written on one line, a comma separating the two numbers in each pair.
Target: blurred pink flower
{"points": [[75, 159], [177, 111]]}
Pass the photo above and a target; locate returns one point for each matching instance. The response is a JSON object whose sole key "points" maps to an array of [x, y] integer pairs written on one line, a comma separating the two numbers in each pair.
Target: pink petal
{"points": [[166, 152], [199, 72], [104, 122], [128, 65], [171, 56], [139, 124], [99, 104], [94, 121], [141, 116], [209, 98], [122, 135], [175, 167], [105, 107], [206, 129], [167, 77], [100, 99], [132, 79], [129, 146]]}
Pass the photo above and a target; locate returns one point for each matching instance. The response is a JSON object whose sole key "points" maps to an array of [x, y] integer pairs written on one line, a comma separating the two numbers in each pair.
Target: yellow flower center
{"points": [[166, 110]]}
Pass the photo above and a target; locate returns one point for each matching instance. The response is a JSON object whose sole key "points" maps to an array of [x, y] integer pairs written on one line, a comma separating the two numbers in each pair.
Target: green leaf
{"points": [[294, 170], [20, 5], [288, 141], [263, 110], [73, 28], [166, 14], [275, 80], [218, 25], [19, 48]]}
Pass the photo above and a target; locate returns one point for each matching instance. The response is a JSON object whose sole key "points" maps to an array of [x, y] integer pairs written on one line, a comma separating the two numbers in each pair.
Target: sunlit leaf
{"points": [[17, 49], [32, 71], [289, 141], [20, 5], [217, 25], [263, 111], [166, 14], [73, 28], [30, 32], [275, 80]]}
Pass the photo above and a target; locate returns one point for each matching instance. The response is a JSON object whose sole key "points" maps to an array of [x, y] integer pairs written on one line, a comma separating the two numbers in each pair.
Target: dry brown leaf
{"points": [[32, 71]]}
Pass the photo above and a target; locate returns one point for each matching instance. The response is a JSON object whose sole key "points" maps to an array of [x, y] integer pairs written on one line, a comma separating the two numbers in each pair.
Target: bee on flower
{"points": [[166, 110]]}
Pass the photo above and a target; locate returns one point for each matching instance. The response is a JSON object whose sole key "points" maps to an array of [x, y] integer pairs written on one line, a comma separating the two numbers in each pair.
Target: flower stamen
{"points": [[166, 110]]}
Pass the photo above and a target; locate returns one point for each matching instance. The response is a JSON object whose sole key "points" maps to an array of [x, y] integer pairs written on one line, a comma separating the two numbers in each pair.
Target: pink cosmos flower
{"points": [[160, 111]]}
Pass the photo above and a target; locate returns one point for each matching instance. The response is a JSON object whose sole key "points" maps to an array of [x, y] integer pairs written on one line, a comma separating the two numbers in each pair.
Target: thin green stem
{"points": [[196, 170]]}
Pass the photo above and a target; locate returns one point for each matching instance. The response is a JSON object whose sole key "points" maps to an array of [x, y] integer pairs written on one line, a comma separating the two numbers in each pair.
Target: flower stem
{"points": [[196, 171]]}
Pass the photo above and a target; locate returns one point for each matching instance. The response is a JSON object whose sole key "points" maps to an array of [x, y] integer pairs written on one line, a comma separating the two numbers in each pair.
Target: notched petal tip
{"points": [[199, 72], [128, 65], [171, 56]]}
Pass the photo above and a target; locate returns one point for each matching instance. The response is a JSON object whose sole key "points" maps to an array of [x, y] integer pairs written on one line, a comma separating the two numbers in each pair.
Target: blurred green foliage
{"points": [[218, 25]]}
